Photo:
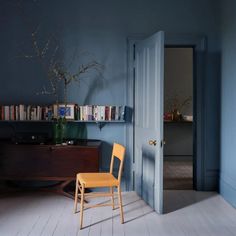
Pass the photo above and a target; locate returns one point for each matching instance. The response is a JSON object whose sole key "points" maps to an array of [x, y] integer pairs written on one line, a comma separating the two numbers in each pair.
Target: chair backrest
{"points": [[118, 151]]}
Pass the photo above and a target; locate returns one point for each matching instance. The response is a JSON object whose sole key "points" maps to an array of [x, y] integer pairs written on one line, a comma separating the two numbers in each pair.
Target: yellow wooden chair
{"points": [[96, 180]]}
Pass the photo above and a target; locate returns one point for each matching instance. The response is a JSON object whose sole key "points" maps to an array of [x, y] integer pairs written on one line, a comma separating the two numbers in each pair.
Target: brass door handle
{"points": [[152, 142]]}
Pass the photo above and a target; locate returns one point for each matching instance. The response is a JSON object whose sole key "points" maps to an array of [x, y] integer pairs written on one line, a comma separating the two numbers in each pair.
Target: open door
{"points": [[148, 143]]}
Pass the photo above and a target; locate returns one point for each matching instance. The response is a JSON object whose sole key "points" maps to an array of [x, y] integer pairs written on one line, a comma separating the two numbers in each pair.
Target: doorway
{"points": [[178, 119]]}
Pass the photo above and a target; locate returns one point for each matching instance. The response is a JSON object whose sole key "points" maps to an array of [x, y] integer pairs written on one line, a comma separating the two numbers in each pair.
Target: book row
{"points": [[70, 111], [26, 112], [101, 113]]}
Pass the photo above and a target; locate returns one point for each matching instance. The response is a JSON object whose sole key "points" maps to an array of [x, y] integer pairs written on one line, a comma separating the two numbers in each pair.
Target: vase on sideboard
{"points": [[59, 131]]}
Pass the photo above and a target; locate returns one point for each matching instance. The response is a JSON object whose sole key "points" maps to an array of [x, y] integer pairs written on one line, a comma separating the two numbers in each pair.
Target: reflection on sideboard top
{"points": [[71, 143], [177, 122]]}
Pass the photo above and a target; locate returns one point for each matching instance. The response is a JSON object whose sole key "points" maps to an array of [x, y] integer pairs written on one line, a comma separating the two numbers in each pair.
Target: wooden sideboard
{"points": [[48, 162]]}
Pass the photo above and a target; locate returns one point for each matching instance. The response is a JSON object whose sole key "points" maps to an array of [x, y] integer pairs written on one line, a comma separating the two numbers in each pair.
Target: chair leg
{"points": [[82, 207], [120, 205], [76, 196], [112, 197]]}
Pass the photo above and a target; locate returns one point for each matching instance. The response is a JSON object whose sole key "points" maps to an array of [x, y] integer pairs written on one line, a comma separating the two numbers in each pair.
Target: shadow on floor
{"points": [[174, 200]]}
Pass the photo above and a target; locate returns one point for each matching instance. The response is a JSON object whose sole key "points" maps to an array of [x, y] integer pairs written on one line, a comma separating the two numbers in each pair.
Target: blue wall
{"points": [[101, 28], [228, 106]]}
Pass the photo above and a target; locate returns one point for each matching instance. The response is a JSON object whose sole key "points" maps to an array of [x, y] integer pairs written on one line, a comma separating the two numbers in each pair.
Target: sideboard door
{"points": [[68, 161]]}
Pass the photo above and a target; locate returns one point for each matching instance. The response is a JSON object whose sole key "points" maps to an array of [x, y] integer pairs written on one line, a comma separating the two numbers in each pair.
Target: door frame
{"points": [[198, 43]]}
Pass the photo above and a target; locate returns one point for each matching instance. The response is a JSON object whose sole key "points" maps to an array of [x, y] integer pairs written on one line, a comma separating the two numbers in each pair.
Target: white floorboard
{"points": [[186, 213]]}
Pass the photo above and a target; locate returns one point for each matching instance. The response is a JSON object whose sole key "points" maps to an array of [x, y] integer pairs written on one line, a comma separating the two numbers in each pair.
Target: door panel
{"points": [[148, 170], [149, 119]]}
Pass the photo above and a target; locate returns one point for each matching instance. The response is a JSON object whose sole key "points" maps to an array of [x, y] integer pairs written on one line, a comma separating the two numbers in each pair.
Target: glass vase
{"points": [[59, 131]]}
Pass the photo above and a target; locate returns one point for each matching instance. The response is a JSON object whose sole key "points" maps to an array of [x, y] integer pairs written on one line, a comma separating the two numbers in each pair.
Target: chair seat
{"points": [[91, 180]]}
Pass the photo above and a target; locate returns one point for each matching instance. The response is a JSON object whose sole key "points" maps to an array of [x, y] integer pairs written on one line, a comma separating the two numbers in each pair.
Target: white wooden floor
{"points": [[189, 213]]}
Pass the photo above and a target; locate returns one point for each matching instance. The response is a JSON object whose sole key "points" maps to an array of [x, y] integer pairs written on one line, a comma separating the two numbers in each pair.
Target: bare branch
{"points": [[48, 54], [45, 49], [44, 92], [25, 56], [36, 30]]}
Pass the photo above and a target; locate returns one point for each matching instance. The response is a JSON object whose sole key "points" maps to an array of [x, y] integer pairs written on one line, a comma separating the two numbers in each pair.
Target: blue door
{"points": [[149, 78]]}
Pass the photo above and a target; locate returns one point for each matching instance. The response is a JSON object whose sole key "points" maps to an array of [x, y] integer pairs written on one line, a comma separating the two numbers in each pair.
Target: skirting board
{"points": [[228, 192], [211, 180]]}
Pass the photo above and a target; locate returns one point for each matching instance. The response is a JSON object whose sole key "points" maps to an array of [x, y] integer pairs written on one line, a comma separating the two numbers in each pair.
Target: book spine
{"points": [[7, 112], [85, 113], [106, 112], [110, 107], [55, 111], [12, 112], [122, 112], [116, 112], [21, 112], [90, 112], [76, 112], [113, 112], [50, 112], [81, 112], [95, 112], [102, 112], [16, 112], [1, 113]]}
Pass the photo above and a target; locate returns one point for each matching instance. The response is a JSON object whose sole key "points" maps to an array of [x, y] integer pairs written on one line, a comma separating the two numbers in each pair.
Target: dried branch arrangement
{"points": [[174, 103], [49, 53]]}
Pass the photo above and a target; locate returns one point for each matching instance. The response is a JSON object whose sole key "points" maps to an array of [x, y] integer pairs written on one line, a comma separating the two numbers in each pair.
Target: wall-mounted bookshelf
{"points": [[98, 114]]}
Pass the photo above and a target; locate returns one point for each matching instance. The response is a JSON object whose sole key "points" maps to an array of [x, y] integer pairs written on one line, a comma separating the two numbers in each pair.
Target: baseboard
{"points": [[211, 182], [228, 192]]}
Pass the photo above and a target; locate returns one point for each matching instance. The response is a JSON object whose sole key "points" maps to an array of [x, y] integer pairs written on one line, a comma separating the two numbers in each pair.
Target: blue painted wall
{"points": [[101, 28], [228, 106]]}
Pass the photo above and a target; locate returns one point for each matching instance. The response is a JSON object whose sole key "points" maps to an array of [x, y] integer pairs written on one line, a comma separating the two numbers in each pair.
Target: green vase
{"points": [[59, 131]]}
